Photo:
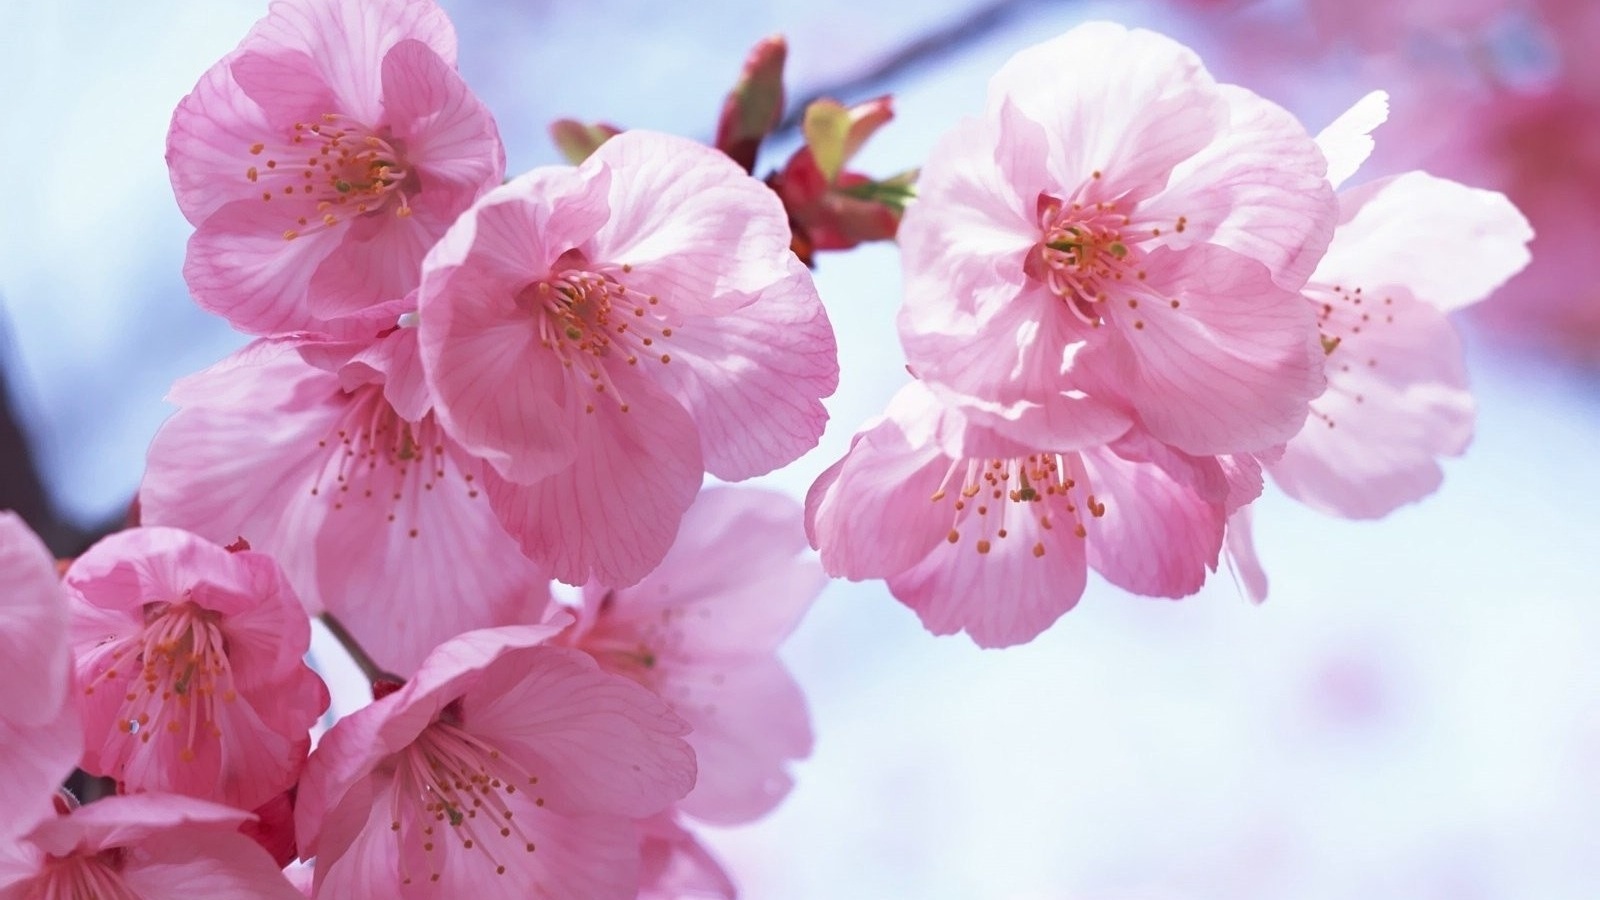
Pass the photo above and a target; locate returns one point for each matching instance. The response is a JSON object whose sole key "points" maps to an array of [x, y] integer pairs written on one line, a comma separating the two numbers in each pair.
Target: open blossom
{"points": [[1116, 243], [503, 769], [978, 533], [702, 631], [1408, 250], [321, 159], [602, 336], [143, 847], [40, 735], [328, 456], [189, 664]]}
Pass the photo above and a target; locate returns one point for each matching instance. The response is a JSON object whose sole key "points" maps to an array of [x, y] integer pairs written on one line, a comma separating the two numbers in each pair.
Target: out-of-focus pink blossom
{"points": [[702, 631], [674, 865], [139, 848], [321, 159], [1408, 250], [980, 534], [503, 769], [604, 335], [1120, 249], [189, 665], [341, 470], [41, 739]]}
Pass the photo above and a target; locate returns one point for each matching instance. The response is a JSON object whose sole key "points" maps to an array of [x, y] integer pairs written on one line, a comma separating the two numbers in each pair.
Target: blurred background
{"points": [[1415, 713]]}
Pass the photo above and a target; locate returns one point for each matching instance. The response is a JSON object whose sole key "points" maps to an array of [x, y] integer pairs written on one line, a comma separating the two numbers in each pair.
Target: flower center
{"points": [[180, 676], [329, 171], [450, 785], [591, 320], [1081, 254], [379, 457], [992, 498], [83, 877]]}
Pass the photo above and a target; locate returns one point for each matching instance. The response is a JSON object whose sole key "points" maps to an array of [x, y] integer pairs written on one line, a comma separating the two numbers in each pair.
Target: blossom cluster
{"points": [[1128, 298]]}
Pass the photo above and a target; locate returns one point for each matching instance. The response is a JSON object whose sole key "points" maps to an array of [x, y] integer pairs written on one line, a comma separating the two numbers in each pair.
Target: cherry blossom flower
{"points": [[321, 159], [189, 664], [328, 456], [980, 534], [702, 632], [1119, 247], [40, 735], [503, 769], [138, 848], [1408, 250], [604, 335]]}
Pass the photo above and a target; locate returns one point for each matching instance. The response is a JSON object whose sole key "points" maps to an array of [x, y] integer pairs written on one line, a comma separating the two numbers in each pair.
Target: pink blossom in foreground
{"points": [[674, 865], [321, 159], [41, 739], [702, 632], [341, 471], [189, 667], [1116, 243], [1408, 250], [604, 335], [503, 769], [144, 847], [980, 534]]}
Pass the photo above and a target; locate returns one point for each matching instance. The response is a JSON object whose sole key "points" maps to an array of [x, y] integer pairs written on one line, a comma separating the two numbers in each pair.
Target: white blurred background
{"points": [[1414, 714]]}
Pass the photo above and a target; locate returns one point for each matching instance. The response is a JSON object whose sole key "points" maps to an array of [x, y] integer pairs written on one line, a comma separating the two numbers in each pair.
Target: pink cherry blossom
{"points": [[141, 848], [341, 470], [321, 159], [189, 665], [41, 738], [1120, 247], [1408, 250], [980, 534], [503, 769], [702, 631], [674, 865], [604, 335]]}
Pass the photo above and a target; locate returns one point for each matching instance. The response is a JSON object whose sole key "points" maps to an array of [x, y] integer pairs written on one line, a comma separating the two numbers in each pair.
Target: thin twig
{"points": [[369, 667], [921, 51]]}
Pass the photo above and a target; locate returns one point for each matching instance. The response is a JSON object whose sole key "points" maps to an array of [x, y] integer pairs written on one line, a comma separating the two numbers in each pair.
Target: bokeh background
{"points": [[1415, 713]]}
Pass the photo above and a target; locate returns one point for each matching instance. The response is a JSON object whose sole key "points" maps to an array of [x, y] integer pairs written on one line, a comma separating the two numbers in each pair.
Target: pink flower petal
{"points": [[347, 39], [749, 721], [753, 379], [1240, 547], [1215, 357], [695, 229], [1163, 518], [674, 864], [1001, 598], [1260, 189], [1449, 244], [598, 743], [1147, 106], [127, 820], [1347, 141], [612, 514], [34, 664], [205, 862], [381, 544], [39, 757]]}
